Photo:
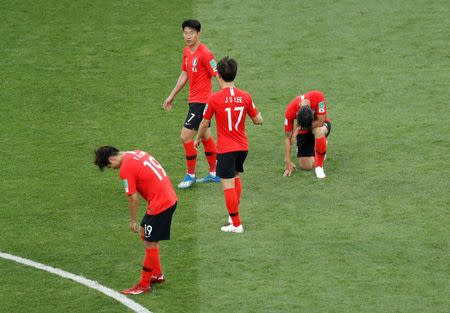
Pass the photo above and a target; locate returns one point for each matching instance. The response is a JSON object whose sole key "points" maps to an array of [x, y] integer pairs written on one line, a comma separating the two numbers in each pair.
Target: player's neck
{"points": [[194, 47], [227, 85]]}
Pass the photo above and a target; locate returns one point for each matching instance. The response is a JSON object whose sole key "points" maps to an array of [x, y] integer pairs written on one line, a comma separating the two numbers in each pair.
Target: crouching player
{"points": [[313, 128], [142, 174]]}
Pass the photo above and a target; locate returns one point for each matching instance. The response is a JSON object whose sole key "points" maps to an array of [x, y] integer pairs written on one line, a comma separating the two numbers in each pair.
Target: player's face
{"points": [[191, 36], [114, 162]]}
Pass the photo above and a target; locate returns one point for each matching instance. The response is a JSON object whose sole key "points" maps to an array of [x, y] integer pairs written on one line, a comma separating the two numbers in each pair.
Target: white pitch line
{"points": [[79, 279]]}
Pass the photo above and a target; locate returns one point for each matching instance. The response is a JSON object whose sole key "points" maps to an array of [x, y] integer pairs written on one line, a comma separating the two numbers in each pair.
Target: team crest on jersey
{"points": [[194, 65], [321, 107], [213, 65], [125, 185]]}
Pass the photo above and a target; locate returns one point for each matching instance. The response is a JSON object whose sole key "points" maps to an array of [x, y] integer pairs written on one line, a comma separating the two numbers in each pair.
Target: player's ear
{"points": [[111, 159]]}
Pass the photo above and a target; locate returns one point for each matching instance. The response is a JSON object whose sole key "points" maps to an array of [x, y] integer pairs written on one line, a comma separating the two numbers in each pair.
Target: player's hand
{"points": [[289, 168], [167, 104], [133, 226], [197, 143]]}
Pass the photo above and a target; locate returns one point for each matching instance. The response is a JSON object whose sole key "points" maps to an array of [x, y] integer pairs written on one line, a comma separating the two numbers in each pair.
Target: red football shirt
{"points": [[231, 106], [200, 67], [318, 106], [140, 172]]}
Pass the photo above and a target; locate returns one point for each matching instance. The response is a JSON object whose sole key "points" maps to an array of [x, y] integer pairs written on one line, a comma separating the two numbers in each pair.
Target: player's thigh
{"points": [[240, 159], [187, 134], [305, 145], [227, 183]]}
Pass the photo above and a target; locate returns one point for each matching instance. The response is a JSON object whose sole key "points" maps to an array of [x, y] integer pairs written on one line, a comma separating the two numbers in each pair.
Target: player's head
{"points": [[104, 155], [305, 117], [191, 32], [227, 69], [194, 24]]}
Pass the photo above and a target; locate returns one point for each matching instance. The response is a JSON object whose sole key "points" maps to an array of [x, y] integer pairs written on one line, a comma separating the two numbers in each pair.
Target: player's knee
{"points": [[185, 138], [319, 132], [187, 135], [306, 167], [306, 164]]}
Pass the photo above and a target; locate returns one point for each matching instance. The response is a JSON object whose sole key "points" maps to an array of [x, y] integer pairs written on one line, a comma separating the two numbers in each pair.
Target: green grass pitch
{"points": [[372, 237]]}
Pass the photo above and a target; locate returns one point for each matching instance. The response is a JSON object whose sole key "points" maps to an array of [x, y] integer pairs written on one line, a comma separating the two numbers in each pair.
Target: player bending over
{"points": [[142, 174], [313, 128]]}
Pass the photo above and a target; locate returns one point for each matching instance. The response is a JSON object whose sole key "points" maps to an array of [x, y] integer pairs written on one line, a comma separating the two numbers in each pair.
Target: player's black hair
{"points": [[227, 68], [102, 155], [192, 24], [305, 117]]}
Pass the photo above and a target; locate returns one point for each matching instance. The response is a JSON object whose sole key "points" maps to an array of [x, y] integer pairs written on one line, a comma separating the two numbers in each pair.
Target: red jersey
{"points": [[231, 106], [318, 106], [140, 172], [200, 67]]}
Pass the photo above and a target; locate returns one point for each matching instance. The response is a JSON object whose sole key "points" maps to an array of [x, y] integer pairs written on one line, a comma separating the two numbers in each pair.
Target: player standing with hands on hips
{"points": [[198, 67], [230, 105], [142, 174]]}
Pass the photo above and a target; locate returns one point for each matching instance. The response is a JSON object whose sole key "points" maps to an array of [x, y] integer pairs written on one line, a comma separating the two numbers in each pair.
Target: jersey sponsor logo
{"points": [[321, 107], [125, 185], [213, 65], [194, 65]]}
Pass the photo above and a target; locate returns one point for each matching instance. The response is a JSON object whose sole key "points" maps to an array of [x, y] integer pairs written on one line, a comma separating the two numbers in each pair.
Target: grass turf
{"points": [[372, 237]]}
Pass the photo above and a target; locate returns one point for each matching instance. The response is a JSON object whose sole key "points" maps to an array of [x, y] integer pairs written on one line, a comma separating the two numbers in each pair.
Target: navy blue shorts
{"points": [[195, 115], [229, 163], [306, 143], [157, 227]]}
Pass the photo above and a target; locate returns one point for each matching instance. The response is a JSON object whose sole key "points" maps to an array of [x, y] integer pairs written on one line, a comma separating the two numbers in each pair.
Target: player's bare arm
{"points": [[257, 119], [182, 80], [289, 167], [319, 121], [202, 129], [133, 206]]}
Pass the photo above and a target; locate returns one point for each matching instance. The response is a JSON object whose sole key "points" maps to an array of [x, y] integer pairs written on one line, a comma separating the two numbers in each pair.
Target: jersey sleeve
{"points": [[321, 108], [209, 109], [252, 110], [128, 179], [210, 63]]}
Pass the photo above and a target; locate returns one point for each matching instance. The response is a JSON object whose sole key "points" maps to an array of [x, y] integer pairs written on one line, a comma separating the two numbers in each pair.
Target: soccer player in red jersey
{"points": [[230, 105], [142, 174], [198, 67], [313, 128]]}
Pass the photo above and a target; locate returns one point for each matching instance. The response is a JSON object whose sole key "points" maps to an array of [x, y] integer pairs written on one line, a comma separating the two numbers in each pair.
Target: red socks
{"points": [[191, 156], [238, 187], [210, 153], [152, 265], [321, 150], [231, 202]]}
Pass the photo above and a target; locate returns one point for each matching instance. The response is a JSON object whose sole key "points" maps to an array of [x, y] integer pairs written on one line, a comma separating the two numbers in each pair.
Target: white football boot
{"points": [[233, 229], [319, 172]]}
